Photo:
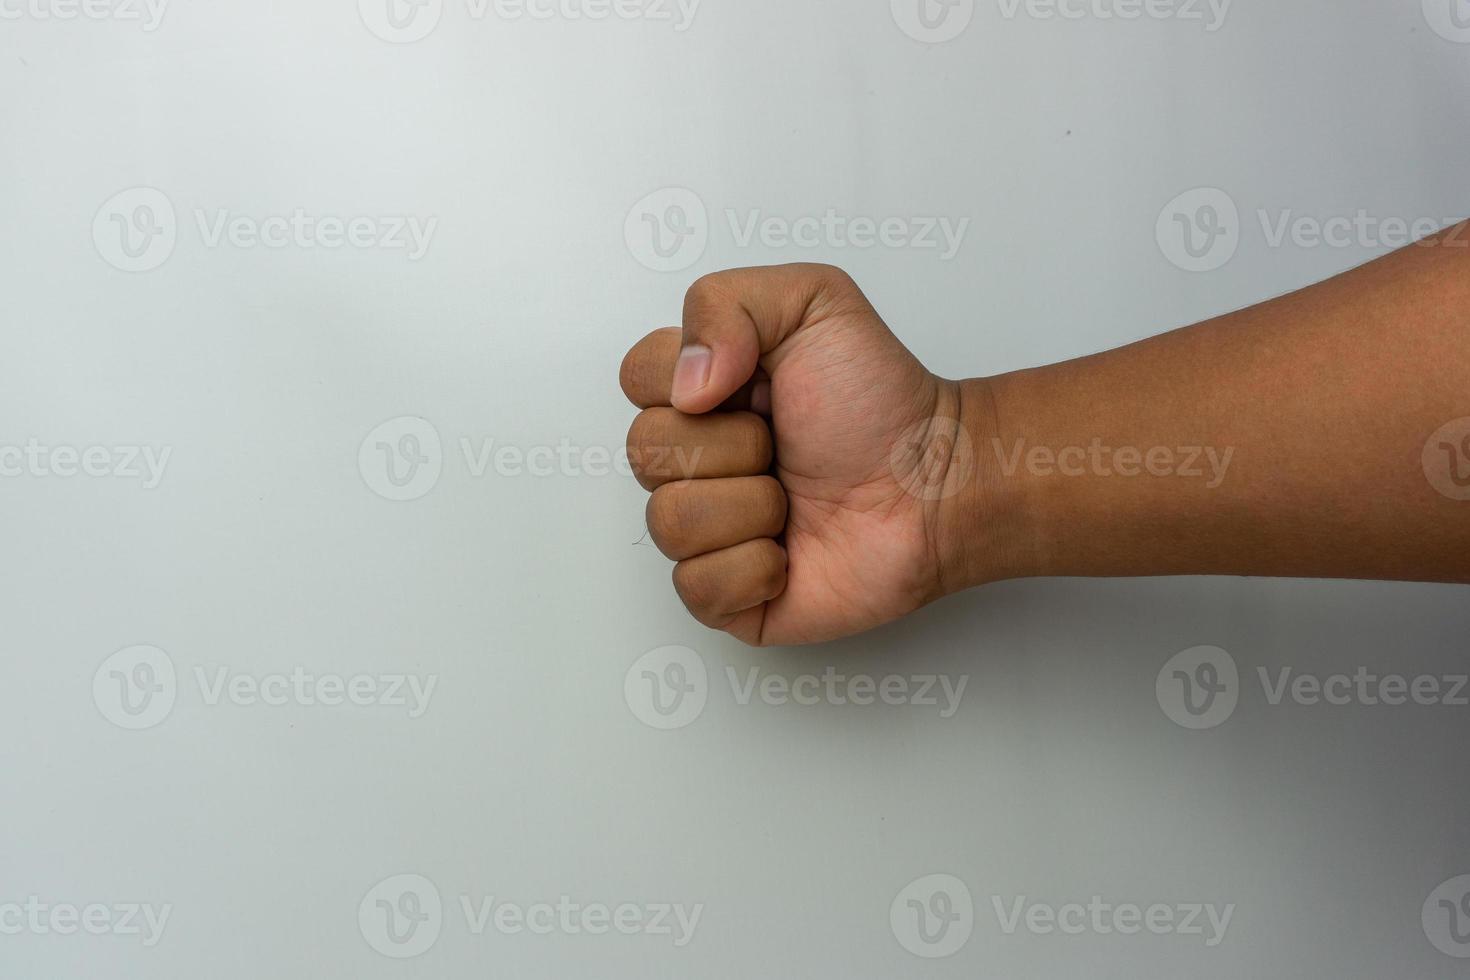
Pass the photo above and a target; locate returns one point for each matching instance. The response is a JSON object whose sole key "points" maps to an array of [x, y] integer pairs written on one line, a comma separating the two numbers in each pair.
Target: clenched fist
{"points": [[805, 467], [813, 480]]}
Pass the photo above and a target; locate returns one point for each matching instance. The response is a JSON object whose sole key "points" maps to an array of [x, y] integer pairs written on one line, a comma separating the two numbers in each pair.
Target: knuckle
{"points": [[629, 374], [772, 565], [643, 368], [645, 436], [693, 588], [707, 293], [830, 274], [706, 287], [832, 289], [753, 440], [772, 504], [669, 519]]}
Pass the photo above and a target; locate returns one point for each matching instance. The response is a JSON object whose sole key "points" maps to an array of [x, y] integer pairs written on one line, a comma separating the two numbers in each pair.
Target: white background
{"points": [[265, 548]]}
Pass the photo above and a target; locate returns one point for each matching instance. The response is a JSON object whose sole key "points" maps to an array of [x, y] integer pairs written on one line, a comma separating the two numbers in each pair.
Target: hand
{"points": [[803, 463]]}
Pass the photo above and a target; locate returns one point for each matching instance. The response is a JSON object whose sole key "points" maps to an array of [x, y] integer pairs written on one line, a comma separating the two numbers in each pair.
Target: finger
{"points": [[666, 445], [647, 373], [753, 396], [733, 318], [647, 376], [692, 517], [717, 587]]}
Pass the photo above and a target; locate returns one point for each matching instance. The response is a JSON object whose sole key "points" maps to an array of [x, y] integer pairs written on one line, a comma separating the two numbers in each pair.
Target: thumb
{"points": [[734, 319]]}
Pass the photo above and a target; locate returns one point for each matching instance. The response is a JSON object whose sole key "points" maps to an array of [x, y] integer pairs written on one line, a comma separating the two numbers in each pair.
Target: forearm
{"points": [[1287, 439]]}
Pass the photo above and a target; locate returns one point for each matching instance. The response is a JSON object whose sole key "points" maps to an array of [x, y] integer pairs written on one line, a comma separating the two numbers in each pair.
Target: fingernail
{"points": [[691, 372], [760, 398]]}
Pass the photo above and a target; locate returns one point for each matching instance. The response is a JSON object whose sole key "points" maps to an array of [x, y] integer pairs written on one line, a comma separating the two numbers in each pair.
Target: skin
{"points": [[813, 480]]}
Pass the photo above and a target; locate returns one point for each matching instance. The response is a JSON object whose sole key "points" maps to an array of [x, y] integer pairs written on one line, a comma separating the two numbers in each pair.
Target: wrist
{"points": [[988, 525]]}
